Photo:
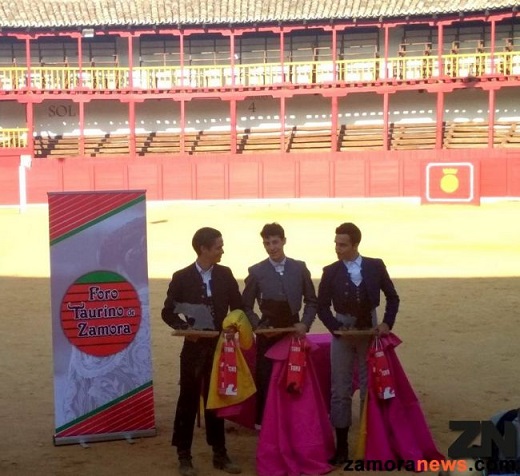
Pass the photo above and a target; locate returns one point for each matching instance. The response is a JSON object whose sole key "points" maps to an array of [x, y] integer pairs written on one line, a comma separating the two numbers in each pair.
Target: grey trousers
{"points": [[344, 352]]}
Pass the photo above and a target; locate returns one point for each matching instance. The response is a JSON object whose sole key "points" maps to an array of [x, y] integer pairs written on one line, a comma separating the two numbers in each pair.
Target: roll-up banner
{"points": [[103, 387]]}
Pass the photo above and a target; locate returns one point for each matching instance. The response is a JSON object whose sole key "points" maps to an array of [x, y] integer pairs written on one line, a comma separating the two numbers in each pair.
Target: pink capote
{"points": [[396, 428], [296, 436]]}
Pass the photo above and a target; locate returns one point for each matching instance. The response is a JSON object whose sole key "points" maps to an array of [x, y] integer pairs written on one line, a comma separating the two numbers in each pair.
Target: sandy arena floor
{"points": [[456, 268]]}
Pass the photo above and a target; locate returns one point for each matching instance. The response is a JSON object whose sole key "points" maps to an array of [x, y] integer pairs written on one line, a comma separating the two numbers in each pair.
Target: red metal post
{"points": [[334, 54], [282, 123], [440, 49], [334, 124], [491, 118], [131, 62], [182, 142], [492, 97], [181, 59], [232, 57], [131, 126], [81, 107], [183, 127], [233, 118], [80, 61], [439, 115], [386, 106], [282, 54], [385, 74], [28, 80], [493, 46], [29, 108]]}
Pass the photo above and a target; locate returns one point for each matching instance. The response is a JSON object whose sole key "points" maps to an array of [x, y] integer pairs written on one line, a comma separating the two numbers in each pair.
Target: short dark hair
{"points": [[351, 230], [272, 229], [204, 237]]}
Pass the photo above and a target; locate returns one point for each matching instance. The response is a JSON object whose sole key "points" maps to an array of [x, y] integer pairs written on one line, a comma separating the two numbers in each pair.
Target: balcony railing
{"points": [[13, 138], [406, 68]]}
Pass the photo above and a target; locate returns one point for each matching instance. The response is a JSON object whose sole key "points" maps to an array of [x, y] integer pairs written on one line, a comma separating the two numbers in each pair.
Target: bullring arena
{"points": [[455, 268], [403, 117]]}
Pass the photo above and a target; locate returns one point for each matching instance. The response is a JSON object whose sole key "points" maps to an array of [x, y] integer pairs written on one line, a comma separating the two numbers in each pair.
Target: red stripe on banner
{"points": [[70, 208], [123, 301], [84, 288], [125, 321], [73, 211], [134, 413], [68, 314], [129, 420], [123, 415], [122, 418], [71, 323]]}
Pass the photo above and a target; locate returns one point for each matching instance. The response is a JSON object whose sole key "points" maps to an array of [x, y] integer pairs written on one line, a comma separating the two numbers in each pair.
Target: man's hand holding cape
{"points": [[235, 321]]}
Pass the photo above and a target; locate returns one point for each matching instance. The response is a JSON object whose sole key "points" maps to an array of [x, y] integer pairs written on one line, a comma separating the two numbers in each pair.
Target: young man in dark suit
{"points": [[352, 286], [204, 282], [279, 284]]}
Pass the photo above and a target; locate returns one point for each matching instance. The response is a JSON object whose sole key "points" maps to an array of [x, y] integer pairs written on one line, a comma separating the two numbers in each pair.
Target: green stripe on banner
{"points": [[100, 277], [104, 407], [98, 220]]}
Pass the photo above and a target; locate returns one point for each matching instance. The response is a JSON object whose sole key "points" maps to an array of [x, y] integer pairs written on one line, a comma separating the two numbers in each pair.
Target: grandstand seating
{"points": [[257, 139], [310, 138], [360, 137], [158, 143], [413, 136], [45, 146], [462, 135], [208, 142], [456, 135], [510, 136], [108, 145]]}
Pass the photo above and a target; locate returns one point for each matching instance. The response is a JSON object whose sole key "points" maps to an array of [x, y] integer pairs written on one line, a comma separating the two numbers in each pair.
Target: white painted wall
{"points": [[62, 117], [211, 114], [12, 115], [258, 112], [56, 117], [157, 115]]}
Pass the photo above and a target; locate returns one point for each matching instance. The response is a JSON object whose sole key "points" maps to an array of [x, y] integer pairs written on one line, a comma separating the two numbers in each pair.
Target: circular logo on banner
{"points": [[101, 313]]}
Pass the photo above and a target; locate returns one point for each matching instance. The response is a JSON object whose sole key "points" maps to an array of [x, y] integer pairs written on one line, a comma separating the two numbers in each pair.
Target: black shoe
{"points": [[186, 467], [222, 461], [340, 458], [341, 455]]}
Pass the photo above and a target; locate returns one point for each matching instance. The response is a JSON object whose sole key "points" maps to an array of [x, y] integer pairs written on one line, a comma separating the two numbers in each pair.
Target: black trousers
{"points": [[264, 369], [195, 368]]}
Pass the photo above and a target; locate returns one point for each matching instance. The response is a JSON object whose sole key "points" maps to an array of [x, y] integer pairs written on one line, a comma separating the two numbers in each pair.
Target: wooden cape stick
{"points": [[355, 332], [275, 330], [194, 332]]}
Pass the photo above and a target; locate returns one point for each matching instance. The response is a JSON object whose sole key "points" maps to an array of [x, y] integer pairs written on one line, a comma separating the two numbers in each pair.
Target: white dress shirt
{"points": [[354, 270], [206, 278], [279, 267]]}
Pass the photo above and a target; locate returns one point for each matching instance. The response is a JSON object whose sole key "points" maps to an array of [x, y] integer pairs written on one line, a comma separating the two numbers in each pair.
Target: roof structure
{"points": [[131, 13]]}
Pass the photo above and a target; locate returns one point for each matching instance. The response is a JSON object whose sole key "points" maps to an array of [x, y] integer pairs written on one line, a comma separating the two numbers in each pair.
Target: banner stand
{"points": [[85, 439], [103, 386]]}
